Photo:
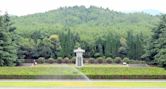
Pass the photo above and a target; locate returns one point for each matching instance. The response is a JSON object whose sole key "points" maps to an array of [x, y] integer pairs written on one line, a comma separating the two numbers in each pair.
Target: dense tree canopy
{"points": [[90, 23], [8, 51], [101, 32], [156, 48]]}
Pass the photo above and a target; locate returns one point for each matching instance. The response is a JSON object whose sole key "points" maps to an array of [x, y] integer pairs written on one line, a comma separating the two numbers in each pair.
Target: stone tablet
{"points": [[79, 57]]}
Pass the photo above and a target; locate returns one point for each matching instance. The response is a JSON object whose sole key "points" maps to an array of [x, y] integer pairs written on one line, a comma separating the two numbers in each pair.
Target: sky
{"points": [[24, 7]]}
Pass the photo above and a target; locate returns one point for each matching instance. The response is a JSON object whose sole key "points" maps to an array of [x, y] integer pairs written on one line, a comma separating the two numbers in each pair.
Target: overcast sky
{"points": [[24, 7]]}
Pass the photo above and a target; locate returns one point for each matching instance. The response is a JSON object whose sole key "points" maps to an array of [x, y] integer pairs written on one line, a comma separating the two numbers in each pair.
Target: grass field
{"points": [[59, 69], [46, 69], [123, 71], [92, 71], [83, 84], [36, 71]]}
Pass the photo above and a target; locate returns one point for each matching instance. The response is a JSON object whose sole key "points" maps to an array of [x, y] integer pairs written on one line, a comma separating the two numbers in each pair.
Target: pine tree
{"points": [[68, 41], [156, 48], [8, 53]]}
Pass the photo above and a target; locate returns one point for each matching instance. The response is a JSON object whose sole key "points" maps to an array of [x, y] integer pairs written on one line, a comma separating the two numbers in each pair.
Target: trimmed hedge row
{"points": [[99, 60], [41, 77], [80, 77], [127, 76]]}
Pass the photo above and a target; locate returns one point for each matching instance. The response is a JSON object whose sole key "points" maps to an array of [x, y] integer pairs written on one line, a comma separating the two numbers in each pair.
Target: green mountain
{"points": [[88, 22]]}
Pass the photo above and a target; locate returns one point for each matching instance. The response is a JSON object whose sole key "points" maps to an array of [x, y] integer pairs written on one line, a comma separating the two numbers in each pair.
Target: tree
{"points": [[156, 48], [37, 35], [8, 53], [135, 44], [55, 45], [26, 48], [123, 50], [68, 41], [54, 38]]}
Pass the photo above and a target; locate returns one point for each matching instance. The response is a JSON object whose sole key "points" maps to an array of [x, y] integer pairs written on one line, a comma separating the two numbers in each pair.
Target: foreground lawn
{"points": [[49, 69], [123, 70], [36, 71], [64, 71], [83, 84]]}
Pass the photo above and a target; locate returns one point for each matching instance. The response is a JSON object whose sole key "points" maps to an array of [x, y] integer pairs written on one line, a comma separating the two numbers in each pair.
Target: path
{"points": [[73, 88]]}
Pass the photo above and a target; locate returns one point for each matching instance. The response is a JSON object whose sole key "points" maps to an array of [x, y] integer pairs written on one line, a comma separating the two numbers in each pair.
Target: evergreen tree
{"points": [[8, 53], [135, 45], [123, 50], [156, 48], [68, 41]]}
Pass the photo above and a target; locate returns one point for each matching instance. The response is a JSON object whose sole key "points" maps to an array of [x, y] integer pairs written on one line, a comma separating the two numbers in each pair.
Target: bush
{"points": [[59, 60], [41, 60], [66, 60], [127, 60], [51, 61], [19, 62], [109, 60], [136, 62], [118, 60], [96, 55], [73, 59], [85, 60], [91, 60], [100, 60]]}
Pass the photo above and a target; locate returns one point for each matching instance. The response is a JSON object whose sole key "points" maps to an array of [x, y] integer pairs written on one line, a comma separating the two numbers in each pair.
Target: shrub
{"points": [[86, 60], [51, 61], [127, 60], [59, 60], [73, 59], [100, 60], [66, 60], [96, 55], [118, 60], [19, 62], [91, 60], [109, 60], [136, 62], [41, 60]]}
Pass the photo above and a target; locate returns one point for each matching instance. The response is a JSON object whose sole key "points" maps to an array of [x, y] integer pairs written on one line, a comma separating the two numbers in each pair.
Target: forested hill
{"points": [[86, 21]]}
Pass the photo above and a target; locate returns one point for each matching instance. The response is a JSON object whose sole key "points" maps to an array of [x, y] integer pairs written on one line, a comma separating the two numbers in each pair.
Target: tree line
{"points": [[15, 46], [61, 44]]}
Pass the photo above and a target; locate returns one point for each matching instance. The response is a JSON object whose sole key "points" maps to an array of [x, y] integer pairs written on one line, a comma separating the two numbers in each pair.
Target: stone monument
{"points": [[79, 58]]}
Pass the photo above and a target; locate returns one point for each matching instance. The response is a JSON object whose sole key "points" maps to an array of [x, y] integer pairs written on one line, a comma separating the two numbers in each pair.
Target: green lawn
{"points": [[46, 69], [36, 71], [92, 71], [83, 84], [123, 71]]}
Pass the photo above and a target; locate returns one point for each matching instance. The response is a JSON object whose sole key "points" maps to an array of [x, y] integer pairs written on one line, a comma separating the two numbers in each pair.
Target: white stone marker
{"points": [[79, 58]]}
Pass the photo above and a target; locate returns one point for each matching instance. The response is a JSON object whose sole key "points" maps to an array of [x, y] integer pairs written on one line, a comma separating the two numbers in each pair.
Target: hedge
{"points": [[41, 77], [127, 76], [81, 77]]}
